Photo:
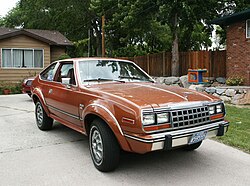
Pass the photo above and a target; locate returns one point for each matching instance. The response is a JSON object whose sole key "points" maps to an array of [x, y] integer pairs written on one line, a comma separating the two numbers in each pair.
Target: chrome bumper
{"points": [[171, 139]]}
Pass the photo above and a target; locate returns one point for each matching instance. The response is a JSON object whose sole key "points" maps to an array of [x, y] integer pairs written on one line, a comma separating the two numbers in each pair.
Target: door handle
{"points": [[50, 91]]}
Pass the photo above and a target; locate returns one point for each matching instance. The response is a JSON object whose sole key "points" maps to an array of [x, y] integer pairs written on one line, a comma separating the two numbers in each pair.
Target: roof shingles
{"points": [[49, 36], [233, 18]]}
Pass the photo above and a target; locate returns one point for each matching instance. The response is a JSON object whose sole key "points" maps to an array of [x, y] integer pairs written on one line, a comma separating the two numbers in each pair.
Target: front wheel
{"points": [[44, 122], [104, 148]]}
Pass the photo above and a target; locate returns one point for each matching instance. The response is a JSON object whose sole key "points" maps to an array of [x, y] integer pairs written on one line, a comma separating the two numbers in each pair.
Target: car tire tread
{"points": [[111, 149], [47, 122]]}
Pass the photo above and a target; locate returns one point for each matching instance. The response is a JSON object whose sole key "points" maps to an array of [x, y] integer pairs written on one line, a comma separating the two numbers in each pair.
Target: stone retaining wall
{"points": [[238, 95]]}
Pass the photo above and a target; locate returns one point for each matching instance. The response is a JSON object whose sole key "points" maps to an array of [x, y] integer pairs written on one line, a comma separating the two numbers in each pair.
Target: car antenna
{"points": [[88, 71]]}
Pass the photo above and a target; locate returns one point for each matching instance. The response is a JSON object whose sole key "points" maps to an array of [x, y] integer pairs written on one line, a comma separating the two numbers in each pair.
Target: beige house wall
{"points": [[56, 52], [22, 41]]}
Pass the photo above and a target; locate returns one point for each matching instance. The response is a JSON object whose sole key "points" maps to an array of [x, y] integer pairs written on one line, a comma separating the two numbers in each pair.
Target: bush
{"points": [[15, 88], [235, 81], [64, 56]]}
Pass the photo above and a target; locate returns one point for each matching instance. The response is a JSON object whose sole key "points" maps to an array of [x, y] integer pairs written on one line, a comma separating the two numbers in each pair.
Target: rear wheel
{"points": [[104, 148], [192, 146], [44, 122]]}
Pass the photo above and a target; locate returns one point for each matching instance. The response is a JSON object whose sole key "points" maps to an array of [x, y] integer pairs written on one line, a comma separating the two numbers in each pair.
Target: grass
{"points": [[238, 134]]}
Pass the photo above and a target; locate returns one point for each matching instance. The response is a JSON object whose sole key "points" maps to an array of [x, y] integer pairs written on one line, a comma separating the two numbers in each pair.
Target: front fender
{"points": [[104, 113]]}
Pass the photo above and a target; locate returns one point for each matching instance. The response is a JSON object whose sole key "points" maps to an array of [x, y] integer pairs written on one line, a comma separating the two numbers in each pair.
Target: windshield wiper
{"points": [[103, 79], [133, 77], [129, 77]]}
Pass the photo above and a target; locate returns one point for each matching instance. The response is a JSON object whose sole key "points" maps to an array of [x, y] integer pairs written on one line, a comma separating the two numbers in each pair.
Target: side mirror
{"points": [[66, 81]]}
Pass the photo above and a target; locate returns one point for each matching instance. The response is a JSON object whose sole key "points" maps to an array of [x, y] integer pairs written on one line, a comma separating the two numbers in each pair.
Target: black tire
{"points": [[192, 146], [104, 148], [43, 121]]}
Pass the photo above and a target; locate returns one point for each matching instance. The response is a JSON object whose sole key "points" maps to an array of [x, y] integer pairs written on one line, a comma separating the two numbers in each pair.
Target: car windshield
{"points": [[96, 71]]}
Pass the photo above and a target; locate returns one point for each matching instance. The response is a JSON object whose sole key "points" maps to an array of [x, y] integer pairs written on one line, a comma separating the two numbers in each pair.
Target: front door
{"points": [[62, 99]]}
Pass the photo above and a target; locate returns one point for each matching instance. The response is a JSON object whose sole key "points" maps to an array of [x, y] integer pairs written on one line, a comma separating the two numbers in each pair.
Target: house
{"points": [[25, 52], [238, 44]]}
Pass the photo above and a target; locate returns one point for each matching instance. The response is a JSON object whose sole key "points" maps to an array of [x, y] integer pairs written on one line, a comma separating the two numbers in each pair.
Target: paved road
{"points": [[29, 156]]}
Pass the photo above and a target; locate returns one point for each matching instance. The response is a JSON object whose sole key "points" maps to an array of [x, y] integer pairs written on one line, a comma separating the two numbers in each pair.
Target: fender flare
{"points": [[38, 93], [106, 115]]}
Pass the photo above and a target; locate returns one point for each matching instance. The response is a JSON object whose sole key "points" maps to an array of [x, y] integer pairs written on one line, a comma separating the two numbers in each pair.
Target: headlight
{"points": [[148, 119], [211, 109], [219, 108], [216, 109], [163, 118]]}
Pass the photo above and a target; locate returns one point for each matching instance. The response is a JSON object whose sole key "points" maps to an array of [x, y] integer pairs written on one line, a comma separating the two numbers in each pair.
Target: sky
{"points": [[6, 5]]}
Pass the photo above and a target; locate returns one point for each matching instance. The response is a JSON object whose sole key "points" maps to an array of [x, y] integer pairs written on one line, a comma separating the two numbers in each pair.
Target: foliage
{"points": [[132, 27], [221, 37], [235, 81], [238, 134], [64, 56], [80, 48], [15, 88]]}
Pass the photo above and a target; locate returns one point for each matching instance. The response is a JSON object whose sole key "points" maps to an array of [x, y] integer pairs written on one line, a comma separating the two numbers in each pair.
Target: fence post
{"points": [[164, 63], [148, 64]]}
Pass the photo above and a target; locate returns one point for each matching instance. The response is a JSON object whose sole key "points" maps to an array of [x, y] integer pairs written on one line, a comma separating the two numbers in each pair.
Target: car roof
{"points": [[94, 58]]}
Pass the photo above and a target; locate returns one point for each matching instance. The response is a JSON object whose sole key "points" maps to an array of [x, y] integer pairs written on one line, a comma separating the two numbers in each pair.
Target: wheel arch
{"points": [[38, 96], [108, 118], [35, 98]]}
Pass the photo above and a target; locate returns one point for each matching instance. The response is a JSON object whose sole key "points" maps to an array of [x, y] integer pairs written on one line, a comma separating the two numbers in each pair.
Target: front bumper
{"points": [[171, 139]]}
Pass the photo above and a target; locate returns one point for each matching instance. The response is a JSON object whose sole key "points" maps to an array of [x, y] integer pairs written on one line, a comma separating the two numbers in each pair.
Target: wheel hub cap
{"points": [[39, 114], [97, 146]]}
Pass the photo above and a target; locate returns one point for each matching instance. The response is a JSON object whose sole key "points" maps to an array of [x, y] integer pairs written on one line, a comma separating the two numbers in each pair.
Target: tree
{"points": [[70, 17], [133, 27]]}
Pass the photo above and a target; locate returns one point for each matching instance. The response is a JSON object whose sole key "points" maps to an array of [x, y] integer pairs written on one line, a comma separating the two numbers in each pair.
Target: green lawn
{"points": [[238, 134]]}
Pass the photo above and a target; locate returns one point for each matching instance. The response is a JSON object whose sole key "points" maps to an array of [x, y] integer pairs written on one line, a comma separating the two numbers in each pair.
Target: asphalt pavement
{"points": [[61, 156]]}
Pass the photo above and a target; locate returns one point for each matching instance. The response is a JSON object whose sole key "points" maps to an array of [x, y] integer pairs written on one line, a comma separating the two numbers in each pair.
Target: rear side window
{"points": [[49, 73]]}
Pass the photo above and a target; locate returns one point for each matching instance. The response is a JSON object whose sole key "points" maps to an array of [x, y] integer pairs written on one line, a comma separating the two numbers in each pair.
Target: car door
{"points": [[62, 99]]}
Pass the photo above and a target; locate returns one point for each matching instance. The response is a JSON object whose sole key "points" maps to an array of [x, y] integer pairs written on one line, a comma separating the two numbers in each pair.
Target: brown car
{"points": [[119, 106]]}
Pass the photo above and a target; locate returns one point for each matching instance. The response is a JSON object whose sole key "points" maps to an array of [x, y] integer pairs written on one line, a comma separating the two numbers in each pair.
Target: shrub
{"points": [[235, 81], [64, 56], [15, 88]]}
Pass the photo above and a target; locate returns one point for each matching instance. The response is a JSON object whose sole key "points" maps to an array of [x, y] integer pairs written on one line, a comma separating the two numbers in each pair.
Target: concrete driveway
{"points": [[61, 156]]}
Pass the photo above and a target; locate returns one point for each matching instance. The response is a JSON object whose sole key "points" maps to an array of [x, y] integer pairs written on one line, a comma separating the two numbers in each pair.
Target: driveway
{"points": [[29, 156]]}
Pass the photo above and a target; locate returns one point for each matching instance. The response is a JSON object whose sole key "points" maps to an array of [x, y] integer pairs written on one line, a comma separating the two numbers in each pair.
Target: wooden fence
{"points": [[160, 64]]}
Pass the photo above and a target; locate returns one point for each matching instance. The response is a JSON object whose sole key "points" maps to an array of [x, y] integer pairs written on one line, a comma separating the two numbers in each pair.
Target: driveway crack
{"points": [[40, 146], [18, 109]]}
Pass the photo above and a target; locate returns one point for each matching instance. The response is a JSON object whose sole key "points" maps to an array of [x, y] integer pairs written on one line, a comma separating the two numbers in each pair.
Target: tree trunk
{"points": [[175, 50]]}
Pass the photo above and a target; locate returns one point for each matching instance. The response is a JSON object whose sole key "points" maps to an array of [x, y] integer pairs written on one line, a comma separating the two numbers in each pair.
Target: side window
{"points": [[49, 73], [67, 71], [248, 28]]}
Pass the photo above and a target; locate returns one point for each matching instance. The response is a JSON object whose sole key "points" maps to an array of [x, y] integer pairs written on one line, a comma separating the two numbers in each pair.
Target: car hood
{"points": [[151, 94]]}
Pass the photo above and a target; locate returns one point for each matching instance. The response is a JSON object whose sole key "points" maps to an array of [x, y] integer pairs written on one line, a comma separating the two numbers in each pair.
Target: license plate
{"points": [[197, 137]]}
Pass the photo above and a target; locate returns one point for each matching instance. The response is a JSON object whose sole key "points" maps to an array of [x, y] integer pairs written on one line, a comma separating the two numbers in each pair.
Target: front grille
{"points": [[190, 116]]}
